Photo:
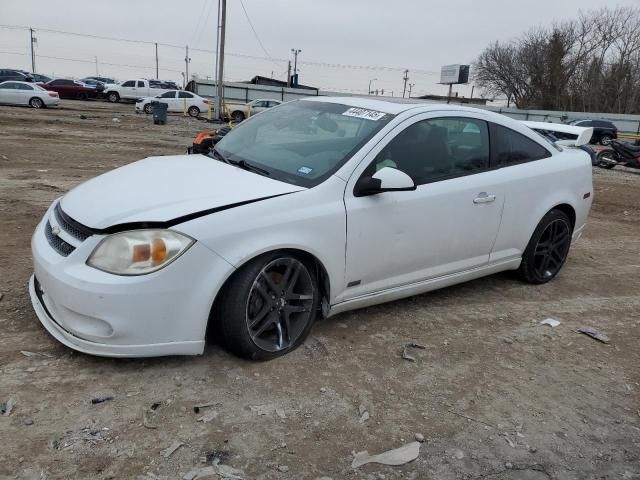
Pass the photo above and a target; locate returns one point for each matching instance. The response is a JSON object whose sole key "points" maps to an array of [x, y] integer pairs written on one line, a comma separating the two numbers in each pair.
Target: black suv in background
{"points": [[603, 130], [14, 75]]}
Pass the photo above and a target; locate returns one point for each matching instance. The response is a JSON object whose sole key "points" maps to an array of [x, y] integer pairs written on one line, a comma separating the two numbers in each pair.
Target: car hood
{"points": [[160, 190]]}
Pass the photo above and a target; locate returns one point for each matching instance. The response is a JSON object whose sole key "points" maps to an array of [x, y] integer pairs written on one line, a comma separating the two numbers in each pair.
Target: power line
{"points": [[254, 30], [253, 57]]}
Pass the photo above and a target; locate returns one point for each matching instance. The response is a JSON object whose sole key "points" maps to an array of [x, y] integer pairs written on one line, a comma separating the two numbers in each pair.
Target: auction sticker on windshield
{"points": [[364, 113]]}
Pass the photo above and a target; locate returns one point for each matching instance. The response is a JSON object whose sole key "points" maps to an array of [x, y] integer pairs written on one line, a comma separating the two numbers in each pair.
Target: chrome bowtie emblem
{"points": [[55, 230]]}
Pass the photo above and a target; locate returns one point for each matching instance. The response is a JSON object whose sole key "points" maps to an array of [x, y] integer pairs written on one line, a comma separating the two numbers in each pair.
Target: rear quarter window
{"points": [[512, 148]]}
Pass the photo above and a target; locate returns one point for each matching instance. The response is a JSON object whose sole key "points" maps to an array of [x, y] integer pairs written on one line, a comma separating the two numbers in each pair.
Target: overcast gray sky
{"points": [[420, 35]]}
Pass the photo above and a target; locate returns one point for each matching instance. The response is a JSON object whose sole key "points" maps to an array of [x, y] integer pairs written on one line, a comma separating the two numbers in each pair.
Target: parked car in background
{"points": [[19, 75], [68, 88], [27, 93], [38, 78], [239, 111], [168, 84], [603, 130], [307, 210], [132, 90], [105, 80], [177, 101], [95, 84]]}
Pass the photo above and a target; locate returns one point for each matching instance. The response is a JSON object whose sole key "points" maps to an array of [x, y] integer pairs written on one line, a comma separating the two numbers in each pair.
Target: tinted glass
{"points": [[184, 95], [129, 83], [511, 147], [435, 149], [168, 95], [9, 86], [22, 86], [302, 142], [140, 84]]}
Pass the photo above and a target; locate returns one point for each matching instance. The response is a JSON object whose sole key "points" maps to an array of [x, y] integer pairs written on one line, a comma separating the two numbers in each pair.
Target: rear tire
{"points": [[268, 307], [36, 102], [606, 160], [113, 97], [193, 111], [148, 109], [606, 140], [83, 96], [237, 116], [548, 248]]}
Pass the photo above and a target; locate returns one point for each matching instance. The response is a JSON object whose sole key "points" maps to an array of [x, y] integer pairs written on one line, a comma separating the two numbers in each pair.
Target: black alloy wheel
{"points": [[548, 248], [268, 307], [279, 305], [148, 108]]}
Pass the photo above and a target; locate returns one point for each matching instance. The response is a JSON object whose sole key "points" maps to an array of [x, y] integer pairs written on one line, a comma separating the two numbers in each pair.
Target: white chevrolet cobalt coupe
{"points": [[309, 209]]}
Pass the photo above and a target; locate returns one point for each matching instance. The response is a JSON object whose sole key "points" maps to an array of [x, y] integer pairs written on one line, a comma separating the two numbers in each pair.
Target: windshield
{"points": [[302, 142]]}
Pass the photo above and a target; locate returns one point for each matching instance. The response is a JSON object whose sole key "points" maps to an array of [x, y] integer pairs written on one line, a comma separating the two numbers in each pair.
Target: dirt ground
{"points": [[496, 395]]}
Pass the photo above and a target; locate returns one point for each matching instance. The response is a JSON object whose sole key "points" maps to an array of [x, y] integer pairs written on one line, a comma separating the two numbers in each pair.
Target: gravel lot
{"points": [[496, 395]]}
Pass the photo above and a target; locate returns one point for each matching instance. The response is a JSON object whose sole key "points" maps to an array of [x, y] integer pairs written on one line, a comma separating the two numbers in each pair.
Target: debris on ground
{"points": [[283, 468], [553, 323], [115, 120], [458, 454], [263, 409], [197, 408], [101, 399], [280, 412], [170, 450], [7, 407], [405, 355], [35, 354], [1, 294], [399, 456], [419, 437], [148, 415], [364, 413], [224, 471], [67, 440], [593, 333], [28, 422], [209, 416]]}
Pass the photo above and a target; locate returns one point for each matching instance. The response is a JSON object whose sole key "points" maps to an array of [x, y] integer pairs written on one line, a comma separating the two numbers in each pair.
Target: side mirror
{"points": [[386, 179]]}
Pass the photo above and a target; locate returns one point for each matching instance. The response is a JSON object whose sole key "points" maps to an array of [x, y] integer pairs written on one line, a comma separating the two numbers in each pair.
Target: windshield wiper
{"points": [[250, 167], [216, 153]]}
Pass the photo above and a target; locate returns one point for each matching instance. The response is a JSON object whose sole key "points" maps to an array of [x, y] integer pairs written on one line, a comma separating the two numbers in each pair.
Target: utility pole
{"points": [[289, 75], [157, 76], [295, 59], [405, 78], [33, 55], [217, 38], [411, 85], [97, 72], [369, 91], [223, 21], [472, 88], [186, 63]]}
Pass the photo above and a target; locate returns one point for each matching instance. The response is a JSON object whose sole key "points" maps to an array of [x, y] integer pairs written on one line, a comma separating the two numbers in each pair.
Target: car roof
{"points": [[16, 81], [394, 106]]}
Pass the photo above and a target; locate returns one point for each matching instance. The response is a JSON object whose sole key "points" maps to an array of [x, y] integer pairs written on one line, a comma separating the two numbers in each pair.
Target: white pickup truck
{"points": [[132, 90]]}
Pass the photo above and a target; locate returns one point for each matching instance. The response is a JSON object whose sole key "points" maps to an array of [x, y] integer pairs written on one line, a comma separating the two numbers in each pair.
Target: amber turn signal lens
{"points": [[141, 253], [158, 251]]}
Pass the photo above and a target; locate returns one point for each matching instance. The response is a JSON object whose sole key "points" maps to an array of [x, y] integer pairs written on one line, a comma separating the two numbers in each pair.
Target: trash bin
{"points": [[159, 113]]}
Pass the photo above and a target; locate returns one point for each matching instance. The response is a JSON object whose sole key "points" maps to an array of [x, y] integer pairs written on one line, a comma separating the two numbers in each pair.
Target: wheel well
{"points": [[569, 211], [308, 258], [238, 111]]}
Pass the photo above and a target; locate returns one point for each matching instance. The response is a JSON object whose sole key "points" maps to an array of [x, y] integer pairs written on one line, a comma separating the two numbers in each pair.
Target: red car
{"points": [[70, 89]]}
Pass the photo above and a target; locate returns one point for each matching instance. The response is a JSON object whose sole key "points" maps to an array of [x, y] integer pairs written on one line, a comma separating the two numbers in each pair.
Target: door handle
{"points": [[484, 198]]}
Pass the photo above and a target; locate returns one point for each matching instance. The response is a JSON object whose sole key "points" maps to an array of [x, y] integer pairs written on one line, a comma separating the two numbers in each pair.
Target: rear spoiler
{"points": [[582, 134]]}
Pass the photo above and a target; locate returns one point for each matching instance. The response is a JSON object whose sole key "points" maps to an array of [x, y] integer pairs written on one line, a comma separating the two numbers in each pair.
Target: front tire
{"points": [[237, 116], [113, 97], [268, 307], [83, 96], [548, 248], [36, 102], [148, 109], [606, 159], [193, 111]]}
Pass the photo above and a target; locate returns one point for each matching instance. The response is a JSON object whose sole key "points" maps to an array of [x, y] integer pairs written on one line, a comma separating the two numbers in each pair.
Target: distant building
{"points": [[272, 82], [456, 99]]}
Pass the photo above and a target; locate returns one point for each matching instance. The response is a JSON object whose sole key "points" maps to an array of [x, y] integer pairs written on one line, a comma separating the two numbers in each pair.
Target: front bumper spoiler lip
{"points": [[194, 347]]}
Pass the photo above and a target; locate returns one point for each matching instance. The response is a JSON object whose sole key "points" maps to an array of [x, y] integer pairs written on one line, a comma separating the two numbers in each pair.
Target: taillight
{"points": [[53, 94], [205, 101]]}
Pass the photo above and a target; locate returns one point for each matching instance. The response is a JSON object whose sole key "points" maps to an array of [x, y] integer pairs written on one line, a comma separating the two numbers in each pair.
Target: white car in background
{"points": [[177, 101], [307, 210], [239, 111], [26, 93]]}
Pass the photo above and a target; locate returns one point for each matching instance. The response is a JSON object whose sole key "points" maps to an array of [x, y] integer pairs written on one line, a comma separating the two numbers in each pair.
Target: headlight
{"points": [[138, 252]]}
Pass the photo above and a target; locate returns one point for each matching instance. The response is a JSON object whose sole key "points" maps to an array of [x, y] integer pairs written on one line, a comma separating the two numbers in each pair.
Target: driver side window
{"points": [[437, 149]]}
